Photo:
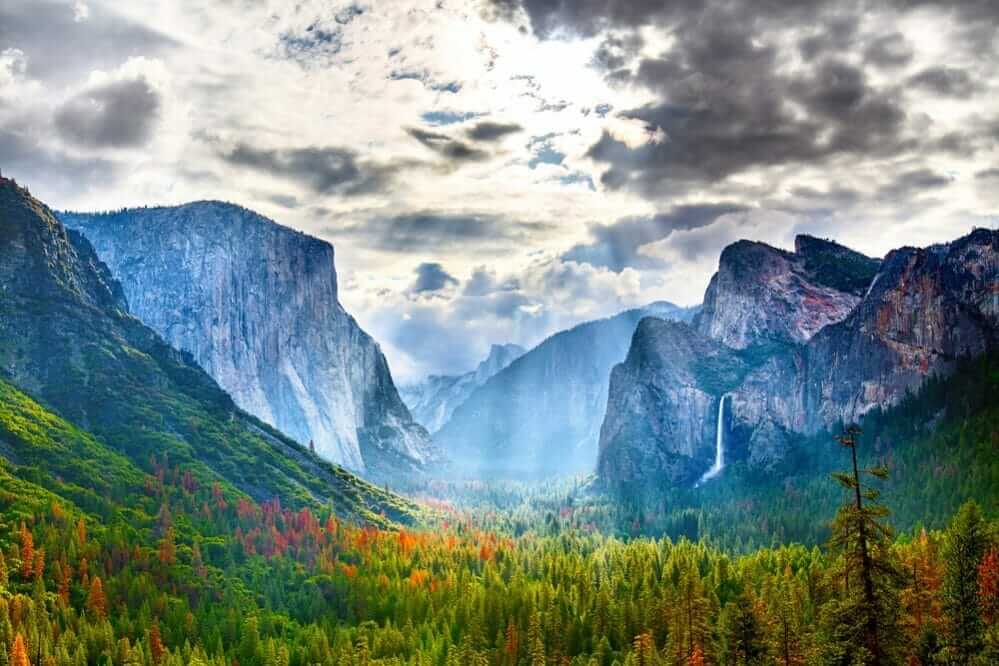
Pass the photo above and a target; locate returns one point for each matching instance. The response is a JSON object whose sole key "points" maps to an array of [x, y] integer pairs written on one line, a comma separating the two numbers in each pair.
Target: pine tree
{"points": [[863, 624], [535, 641], [745, 633], [964, 550]]}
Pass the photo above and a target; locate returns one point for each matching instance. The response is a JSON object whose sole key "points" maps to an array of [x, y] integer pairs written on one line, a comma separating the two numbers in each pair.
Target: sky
{"points": [[493, 171]]}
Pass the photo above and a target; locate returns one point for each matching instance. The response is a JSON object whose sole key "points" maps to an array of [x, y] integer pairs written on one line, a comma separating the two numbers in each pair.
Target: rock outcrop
{"points": [[433, 401], [541, 415], [793, 354], [763, 294], [256, 305]]}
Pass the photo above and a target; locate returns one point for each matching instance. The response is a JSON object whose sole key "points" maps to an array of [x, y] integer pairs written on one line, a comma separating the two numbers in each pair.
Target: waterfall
{"points": [[719, 463]]}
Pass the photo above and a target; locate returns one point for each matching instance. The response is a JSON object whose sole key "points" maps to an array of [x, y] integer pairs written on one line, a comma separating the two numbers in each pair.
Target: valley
{"points": [[649, 488]]}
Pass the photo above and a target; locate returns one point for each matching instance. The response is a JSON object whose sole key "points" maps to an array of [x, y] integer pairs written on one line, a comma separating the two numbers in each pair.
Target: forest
{"points": [[161, 568]]}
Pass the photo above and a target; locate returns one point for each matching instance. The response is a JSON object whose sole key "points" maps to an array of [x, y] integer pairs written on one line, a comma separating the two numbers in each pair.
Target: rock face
{"points": [[433, 401], [761, 293], [256, 305], [925, 308], [67, 339], [784, 369], [541, 415], [660, 424]]}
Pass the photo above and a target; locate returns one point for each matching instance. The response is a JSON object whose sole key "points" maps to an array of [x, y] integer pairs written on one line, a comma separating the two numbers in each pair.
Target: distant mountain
{"points": [[433, 401], [256, 305], [541, 415], [919, 313], [68, 341]]}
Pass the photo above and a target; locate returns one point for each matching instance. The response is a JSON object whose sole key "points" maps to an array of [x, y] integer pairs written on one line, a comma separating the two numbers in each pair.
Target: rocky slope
{"points": [[67, 339], [256, 305], [761, 293], [923, 309], [433, 401], [541, 415]]}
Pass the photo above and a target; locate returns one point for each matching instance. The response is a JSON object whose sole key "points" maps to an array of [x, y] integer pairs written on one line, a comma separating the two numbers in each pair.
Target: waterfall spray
{"points": [[719, 463]]}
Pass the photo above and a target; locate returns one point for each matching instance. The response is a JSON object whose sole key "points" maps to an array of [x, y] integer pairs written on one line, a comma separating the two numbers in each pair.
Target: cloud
{"points": [[740, 87], [491, 131], [120, 114], [912, 184], [453, 150], [324, 170], [617, 246], [50, 173], [431, 277], [66, 41], [427, 79], [947, 81], [714, 122], [891, 50], [438, 231]]}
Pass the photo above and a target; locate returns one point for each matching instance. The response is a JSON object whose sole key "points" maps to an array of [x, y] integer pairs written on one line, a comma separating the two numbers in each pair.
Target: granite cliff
{"points": [[256, 305]]}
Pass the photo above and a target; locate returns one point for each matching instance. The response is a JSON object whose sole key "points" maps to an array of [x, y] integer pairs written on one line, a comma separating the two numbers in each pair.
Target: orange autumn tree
{"points": [[27, 552], [19, 653], [988, 586], [96, 601], [156, 647]]}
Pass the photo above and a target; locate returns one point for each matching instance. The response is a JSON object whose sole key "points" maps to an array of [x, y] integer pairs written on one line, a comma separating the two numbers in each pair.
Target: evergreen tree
{"points": [[863, 624], [745, 633], [964, 549]]}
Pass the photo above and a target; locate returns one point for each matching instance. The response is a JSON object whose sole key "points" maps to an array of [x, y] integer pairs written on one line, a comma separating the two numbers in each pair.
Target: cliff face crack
{"points": [[719, 463]]}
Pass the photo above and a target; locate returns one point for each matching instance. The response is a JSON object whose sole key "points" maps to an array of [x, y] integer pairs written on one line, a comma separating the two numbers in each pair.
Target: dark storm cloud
{"points": [[731, 95], [491, 131], [452, 149], [328, 170], [59, 47], [947, 81], [431, 277], [616, 246], [889, 51], [50, 174], [912, 184], [725, 110], [837, 34], [116, 115], [432, 231]]}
